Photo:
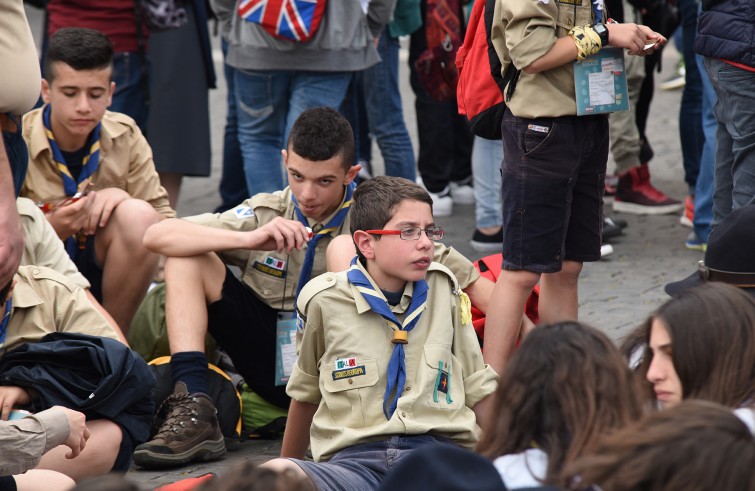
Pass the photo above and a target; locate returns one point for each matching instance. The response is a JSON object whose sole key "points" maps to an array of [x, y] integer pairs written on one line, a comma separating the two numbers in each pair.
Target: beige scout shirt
{"points": [[338, 324], [125, 163], [20, 79], [523, 31], [273, 275], [44, 301], [42, 246], [24, 441]]}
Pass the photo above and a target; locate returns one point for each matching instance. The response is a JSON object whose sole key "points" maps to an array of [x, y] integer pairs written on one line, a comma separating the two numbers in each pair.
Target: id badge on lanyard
{"points": [[285, 347]]}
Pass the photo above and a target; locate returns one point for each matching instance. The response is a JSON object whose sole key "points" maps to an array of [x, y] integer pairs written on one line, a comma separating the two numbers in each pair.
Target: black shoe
{"points": [[619, 222], [610, 229], [487, 243]]}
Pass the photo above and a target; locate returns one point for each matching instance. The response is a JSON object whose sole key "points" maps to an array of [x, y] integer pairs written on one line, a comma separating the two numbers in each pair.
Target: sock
{"points": [[190, 367]]}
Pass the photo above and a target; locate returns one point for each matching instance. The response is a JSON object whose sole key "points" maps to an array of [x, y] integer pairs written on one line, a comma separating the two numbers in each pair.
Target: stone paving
{"points": [[615, 293]]}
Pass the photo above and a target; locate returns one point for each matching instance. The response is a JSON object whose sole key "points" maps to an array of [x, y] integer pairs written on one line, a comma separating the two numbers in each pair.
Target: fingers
{"points": [[7, 408], [287, 234]]}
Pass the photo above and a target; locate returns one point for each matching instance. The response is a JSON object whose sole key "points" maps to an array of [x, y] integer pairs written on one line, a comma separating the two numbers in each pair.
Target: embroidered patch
{"points": [[538, 128], [342, 363], [349, 372], [268, 270], [243, 212], [275, 263], [300, 321], [578, 3]]}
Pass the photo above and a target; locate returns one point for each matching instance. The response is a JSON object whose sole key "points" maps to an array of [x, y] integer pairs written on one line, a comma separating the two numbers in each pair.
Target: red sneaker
{"points": [[635, 195], [688, 215]]}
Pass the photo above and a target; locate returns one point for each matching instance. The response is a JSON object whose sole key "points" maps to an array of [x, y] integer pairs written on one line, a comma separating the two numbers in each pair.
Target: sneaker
{"points": [[443, 203], [189, 432], [635, 194], [694, 243], [606, 250], [462, 192], [487, 243], [688, 215], [619, 222], [610, 229], [676, 81]]}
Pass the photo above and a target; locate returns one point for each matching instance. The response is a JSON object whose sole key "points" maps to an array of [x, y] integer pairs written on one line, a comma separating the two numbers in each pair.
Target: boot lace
{"points": [[178, 409]]}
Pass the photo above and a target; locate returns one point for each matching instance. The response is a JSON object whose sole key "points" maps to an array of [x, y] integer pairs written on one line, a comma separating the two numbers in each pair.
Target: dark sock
{"points": [[190, 367]]}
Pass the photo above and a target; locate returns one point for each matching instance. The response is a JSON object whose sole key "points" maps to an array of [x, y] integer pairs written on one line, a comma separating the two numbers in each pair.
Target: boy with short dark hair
{"points": [[388, 360], [77, 146]]}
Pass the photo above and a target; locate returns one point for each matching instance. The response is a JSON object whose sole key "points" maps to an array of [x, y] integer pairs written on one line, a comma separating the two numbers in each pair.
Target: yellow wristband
{"points": [[587, 41]]}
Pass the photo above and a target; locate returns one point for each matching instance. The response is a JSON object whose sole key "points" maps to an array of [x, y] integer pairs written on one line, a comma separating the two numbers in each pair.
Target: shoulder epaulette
{"points": [[36, 273], [268, 200], [312, 288]]}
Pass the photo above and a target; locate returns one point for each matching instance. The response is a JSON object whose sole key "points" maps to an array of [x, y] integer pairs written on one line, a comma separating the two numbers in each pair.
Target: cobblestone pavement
{"points": [[615, 293]]}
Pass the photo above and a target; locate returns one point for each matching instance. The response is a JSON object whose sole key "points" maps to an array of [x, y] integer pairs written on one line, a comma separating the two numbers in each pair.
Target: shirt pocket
{"points": [[442, 378], [351, 392]]}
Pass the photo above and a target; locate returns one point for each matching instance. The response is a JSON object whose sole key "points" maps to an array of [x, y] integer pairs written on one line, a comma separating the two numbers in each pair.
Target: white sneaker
{"points": [[462, 193], [606, 250], [443, 203]]}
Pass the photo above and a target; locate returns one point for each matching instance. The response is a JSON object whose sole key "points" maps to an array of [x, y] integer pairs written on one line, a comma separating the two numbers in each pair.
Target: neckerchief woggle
{"points": [[89, 165], [4, 323], [309, 257], [396, 365]]}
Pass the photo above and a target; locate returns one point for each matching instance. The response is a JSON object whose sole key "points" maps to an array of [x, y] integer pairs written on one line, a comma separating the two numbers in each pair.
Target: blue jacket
{"points": [[726, 30]]}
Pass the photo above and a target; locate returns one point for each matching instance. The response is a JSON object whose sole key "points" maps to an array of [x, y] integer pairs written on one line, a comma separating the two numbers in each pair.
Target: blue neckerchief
{"points": [[598, 7], [376, 301], [88, 166], [309, 258], [4, 323]]}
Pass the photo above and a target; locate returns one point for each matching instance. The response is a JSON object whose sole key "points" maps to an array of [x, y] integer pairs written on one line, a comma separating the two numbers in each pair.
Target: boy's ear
{"points": [[110, 94], [364, 243], [351, 174], [284, 153], [46, 91]]}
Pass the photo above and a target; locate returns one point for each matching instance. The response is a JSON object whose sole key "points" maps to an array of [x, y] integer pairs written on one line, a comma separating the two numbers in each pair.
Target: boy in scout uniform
{"points": [[91, 171], [554, 161], [268, 238], [37, 302], [388, 359]]}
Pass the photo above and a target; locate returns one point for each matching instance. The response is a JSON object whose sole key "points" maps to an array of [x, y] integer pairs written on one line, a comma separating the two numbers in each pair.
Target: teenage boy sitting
{"points": [[267, 238], [76, 145], [388, 360]]}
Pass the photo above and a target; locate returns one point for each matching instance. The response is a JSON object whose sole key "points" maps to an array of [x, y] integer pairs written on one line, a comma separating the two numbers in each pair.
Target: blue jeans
{"points": [[268, 103], [487, 156], [130, 97], [735, 137], [690, 111], [385, 114], [704, 187], [233, 181]]}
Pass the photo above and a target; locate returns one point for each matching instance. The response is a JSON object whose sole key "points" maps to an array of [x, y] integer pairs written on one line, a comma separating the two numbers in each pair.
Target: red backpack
{"points": [[490, 267], [480, 89]]}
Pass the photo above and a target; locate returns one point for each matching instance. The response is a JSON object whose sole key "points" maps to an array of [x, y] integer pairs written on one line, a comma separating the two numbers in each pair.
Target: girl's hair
{"points": [[565, 385], [693, 445], [712, 332]]}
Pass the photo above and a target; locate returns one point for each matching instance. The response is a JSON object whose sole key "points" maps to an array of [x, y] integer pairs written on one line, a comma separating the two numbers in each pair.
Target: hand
{"points": [[283, 234], [105, 201], [11, 396], [634, 37], [78, 432], [69, 219]]}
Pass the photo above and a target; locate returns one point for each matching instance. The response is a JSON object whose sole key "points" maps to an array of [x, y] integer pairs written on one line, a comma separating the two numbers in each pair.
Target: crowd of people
{"points": [[327, 288]]}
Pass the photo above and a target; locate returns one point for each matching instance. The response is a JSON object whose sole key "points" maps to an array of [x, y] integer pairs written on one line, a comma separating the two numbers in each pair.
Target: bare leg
{"points": [[559, 294], [504, 316], [43, 480], [191, 283], [282, 465], [171, 181], [97, 457], [127, 266]]}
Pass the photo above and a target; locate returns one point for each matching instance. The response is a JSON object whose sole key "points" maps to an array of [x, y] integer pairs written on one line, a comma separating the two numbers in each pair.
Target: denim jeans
{"points": [[232, 182], [735, 137], [704, 187], [487, 156], [385, 114], [690, 111], [268, 103], [130, 97]]}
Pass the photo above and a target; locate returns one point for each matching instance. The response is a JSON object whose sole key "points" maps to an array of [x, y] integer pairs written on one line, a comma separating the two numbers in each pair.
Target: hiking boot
{"points": [[635, 194], [189, 432], [688, 214]]}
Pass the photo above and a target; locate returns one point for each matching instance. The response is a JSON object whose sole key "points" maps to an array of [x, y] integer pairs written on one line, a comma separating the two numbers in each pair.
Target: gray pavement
{"points": [[615, 293]]}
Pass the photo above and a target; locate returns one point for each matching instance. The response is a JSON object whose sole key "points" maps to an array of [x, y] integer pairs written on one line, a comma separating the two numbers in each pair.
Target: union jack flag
{"points": [[294, 20]]}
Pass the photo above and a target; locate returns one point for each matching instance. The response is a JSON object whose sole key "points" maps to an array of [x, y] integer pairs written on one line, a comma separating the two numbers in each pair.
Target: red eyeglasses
{"points": [[412, 233]]}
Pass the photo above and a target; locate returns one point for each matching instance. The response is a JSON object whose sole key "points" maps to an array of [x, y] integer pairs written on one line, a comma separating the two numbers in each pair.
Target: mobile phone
{"points": [[17, 414]]}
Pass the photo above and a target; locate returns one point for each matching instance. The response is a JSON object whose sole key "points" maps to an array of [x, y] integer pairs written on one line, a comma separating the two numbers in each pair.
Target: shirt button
{"points": [[329, 278], [35, 272], [351, 381], [317, 249], [408, 389], [403, 415], [266, 292]]}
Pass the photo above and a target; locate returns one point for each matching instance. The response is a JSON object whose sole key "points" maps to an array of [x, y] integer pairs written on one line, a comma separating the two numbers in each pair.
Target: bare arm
{"points": [[107, 317], [296, 436], [180, 238]]}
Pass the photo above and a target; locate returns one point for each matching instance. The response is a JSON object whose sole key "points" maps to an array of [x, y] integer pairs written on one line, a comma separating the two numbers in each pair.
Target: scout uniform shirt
{"points": [[273, 275], [44, 301], [125, 163], [42, 246], [344, 348], [522, 32], [24, 441]]}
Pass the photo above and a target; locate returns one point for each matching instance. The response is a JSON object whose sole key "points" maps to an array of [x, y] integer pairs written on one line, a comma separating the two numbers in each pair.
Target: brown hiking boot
{"points": [[189, 432]]}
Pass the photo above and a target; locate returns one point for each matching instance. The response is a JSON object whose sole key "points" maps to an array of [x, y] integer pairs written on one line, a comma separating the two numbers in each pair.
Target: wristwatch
{"points": [[602, 31]]}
